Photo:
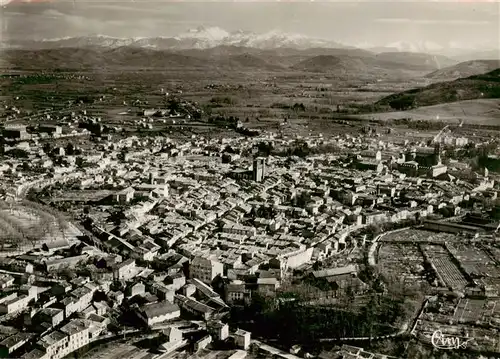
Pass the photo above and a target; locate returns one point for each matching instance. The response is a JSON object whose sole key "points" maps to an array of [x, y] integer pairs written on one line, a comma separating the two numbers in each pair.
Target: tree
{"points": [[265, 149], [369, 316], [173, 104], [9, 232], [402, 103]]}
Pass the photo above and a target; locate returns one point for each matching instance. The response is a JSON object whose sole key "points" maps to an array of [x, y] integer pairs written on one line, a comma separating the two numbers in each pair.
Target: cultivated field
{"points": [[256, 95], [445, 268], [403, 261], [475, 261], [471, 310], [119, 351]]}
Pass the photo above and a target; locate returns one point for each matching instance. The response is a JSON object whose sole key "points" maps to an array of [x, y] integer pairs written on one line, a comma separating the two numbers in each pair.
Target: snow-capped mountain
{"points": [[85, 41], [199, 38], [210, 37], [212, 34]]}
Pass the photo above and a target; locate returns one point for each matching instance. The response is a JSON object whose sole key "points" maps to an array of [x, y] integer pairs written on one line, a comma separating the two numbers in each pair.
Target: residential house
{"points": [[12, 343], [124, 270], [267, 286], [202, 343], [69, 338], [242, 339], [195, 307], [160, 312], [53, 316], [205, 269], [125, 196], [237, 293], [218, 330]]}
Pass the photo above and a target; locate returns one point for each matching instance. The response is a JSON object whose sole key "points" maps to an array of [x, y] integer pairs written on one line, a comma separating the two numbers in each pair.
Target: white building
{"points": [[124, 270], [242, 339], [219, 330], [125, 196], [69, 338], [159, 312], [17, 301], [239, 229], [205, 269]]}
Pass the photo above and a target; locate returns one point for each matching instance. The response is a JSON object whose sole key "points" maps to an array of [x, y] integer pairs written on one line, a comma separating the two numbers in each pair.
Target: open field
{"points": [[260, 100], [471, 310], [483, 339], [249, 91], [465, 318], [313, 101], [484, 111]]}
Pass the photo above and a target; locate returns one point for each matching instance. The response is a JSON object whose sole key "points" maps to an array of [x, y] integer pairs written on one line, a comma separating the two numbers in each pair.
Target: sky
{"points": [[449, 23]]}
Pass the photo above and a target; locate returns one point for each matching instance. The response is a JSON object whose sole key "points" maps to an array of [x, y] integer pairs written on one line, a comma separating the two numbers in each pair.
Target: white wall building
{"points": [[124, 270], [69, 338], [205, 269], [159, 312]]}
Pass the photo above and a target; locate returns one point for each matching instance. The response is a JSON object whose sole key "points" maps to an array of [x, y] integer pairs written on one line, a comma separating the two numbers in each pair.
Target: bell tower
{"points": [[437, 153]]}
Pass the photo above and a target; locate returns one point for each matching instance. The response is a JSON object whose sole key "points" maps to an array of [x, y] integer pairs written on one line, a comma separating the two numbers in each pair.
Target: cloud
{"points": [[338, 20]]}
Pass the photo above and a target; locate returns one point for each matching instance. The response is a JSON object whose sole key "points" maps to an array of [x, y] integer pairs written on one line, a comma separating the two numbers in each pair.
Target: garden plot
{"points": [[444, 266], [403, 261], [418, 236]]}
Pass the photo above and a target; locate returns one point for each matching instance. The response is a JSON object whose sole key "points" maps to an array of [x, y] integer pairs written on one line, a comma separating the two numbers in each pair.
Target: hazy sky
{"points": [[351, 22]]}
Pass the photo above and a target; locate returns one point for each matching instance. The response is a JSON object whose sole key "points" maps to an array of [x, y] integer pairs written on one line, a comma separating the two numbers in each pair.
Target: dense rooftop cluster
{"points": [[110, 237]]}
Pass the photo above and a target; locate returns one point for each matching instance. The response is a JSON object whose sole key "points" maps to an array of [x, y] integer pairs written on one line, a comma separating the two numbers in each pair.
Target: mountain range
{"points": [[199, 38], [214, 49], [337, 62], [203, 38]]}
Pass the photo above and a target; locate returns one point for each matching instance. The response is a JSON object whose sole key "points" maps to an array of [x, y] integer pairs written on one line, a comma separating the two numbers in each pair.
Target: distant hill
{"points": [[120, 57], [469, 88], [486, 55], [250, 62], [416, 60], [367, 63], [280, 56], [329, 63], [338, 62], [465, 69]]}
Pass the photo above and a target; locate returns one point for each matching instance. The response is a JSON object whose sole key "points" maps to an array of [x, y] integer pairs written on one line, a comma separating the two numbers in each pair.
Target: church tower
{"points": [[437, 153]]}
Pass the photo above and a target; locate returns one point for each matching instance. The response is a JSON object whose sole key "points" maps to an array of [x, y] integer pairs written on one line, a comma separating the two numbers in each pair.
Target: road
{"points": [[400, 332], [374, 244], [45, 113]]}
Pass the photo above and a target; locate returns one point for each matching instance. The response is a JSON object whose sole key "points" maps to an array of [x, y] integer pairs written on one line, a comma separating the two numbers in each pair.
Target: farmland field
{"points": [[446, 269], [402, 260]]}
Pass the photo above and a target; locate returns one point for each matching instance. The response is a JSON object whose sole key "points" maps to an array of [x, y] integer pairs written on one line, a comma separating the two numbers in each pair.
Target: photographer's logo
{"points": [[442, 341]]}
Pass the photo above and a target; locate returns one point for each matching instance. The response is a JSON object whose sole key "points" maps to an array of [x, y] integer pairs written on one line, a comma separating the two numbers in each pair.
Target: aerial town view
{"points": [[219, 193]]}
